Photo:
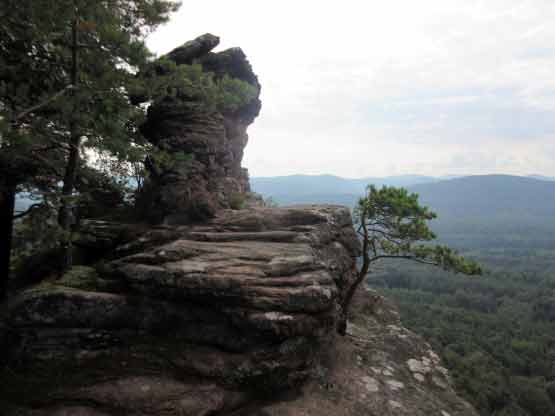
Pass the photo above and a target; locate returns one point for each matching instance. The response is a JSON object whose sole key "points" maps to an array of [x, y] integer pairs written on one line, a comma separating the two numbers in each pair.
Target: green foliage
{"points": [[167, 161], [38, 101], [36, 60], [392, 223], [237, 201], [192, 83], [66, 70], [79, 277], [550, 390], [230, 94], [101, 193], [494, 333], [37, 231], [86, 278]]}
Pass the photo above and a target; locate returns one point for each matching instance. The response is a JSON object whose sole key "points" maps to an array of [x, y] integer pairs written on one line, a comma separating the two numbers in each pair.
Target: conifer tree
{"points": [[66, 70], [393, 225]]}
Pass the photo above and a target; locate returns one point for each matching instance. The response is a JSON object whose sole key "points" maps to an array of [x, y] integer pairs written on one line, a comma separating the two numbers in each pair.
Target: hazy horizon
{"points": [[462, 175]]}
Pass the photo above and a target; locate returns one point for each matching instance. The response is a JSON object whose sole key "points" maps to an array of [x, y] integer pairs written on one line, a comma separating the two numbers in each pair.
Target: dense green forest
{"points": [[496, 332]]}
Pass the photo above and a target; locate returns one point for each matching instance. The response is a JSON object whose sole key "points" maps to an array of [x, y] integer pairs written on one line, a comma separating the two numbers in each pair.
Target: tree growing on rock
{"points": [[104, 48], [66, 70], [206, 102], [393, 225]]}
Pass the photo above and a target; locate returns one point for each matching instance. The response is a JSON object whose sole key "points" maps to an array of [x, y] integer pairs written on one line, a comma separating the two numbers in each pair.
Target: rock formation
{"points": [[218, 318], [194, 189], [235, 315], [232, 309]]}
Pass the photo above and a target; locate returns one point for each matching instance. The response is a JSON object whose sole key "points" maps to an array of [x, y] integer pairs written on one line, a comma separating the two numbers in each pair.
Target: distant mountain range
{"points": [[473, 211], [542, 177], [491, 195], [493, 210], [295, 189]]}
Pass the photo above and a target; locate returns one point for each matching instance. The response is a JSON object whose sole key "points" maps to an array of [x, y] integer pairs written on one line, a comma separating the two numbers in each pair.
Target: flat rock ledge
{"points": [[190, 320]]}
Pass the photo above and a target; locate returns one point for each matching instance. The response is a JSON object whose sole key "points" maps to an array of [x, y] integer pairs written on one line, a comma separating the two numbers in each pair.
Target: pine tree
{"points": [[66, 70], [393, 225]]}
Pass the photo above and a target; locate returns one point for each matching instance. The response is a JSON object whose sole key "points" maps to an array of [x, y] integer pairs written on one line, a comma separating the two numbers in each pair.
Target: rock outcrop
{"points": [[234, 316], [379, 369], [187, 320], [206, 144]]}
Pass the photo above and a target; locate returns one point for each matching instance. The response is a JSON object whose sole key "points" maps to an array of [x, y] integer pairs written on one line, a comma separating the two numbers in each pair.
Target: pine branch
{"points": [[404, 257], [44, 103]]}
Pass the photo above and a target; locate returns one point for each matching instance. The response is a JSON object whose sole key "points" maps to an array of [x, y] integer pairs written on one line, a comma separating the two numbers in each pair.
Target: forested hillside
{"points": [[473, 212], [494, 210], [496, 332]]}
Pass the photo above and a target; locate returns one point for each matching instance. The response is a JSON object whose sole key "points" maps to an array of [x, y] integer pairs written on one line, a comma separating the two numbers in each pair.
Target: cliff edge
{"points": [[379, 369]]}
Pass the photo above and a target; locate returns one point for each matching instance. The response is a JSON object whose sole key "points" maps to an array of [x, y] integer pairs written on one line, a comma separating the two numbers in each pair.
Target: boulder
{"points": [[194, 49]]}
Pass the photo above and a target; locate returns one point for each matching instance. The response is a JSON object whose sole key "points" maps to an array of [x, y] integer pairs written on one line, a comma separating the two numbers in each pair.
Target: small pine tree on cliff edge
{"points": [[393, 225]]}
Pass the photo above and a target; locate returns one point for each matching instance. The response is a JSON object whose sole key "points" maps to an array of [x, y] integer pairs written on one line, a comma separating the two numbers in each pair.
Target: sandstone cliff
{"points": [[194, 189], [232, 315]]}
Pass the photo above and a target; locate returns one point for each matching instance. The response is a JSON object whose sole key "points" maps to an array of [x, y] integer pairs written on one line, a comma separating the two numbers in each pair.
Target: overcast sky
{"points": [[374, 88]]}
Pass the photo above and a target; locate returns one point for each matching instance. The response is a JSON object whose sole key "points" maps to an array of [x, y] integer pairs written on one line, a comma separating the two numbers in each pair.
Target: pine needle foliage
{"points": [[192, 84], [66, 69], [393, 225]]}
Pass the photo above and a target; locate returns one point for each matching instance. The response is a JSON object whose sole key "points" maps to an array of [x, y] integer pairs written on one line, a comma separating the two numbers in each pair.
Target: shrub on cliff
{"points": [[191, 83], [392, 224]]}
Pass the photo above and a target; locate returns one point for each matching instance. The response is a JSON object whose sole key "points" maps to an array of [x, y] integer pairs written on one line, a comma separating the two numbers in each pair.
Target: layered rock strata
{"points": [[378, 369], [233, 317], [205, 144], [189, 320]]}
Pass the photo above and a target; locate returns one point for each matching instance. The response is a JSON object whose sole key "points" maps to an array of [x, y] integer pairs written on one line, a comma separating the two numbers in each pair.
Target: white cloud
{"points": [[361, 88]]}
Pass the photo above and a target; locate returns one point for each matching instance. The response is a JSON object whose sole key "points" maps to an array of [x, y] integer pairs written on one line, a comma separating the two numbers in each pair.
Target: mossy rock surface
{"points": [[86, 278], [81, 277]]}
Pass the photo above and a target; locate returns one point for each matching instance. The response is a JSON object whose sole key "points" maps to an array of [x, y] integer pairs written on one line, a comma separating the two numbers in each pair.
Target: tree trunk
{"points": [[65, 216], [7, 206], [346, 301]]}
